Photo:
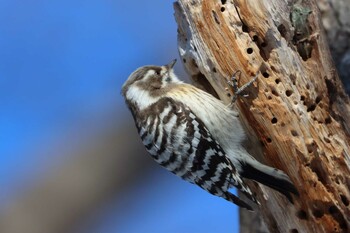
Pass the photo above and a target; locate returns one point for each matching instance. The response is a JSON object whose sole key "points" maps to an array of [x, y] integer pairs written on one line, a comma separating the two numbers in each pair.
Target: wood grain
{"points": [[297, 112]]}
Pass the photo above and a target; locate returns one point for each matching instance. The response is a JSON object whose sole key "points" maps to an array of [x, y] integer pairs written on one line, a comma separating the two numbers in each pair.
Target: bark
{"points": [[297, 112]]}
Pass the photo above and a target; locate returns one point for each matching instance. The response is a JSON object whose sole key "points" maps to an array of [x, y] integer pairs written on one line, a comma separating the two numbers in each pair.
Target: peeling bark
{"points": [[297, 112]]}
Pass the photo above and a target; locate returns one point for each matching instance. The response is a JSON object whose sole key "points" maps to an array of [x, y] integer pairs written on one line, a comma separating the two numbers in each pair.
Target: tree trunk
{"points": [[296, 113]]}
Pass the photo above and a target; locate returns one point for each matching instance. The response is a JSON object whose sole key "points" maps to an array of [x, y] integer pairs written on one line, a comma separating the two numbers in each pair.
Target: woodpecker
{"points": [[196, 136]]}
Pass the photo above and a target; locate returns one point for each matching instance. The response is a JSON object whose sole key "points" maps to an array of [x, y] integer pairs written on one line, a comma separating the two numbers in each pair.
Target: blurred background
{"points": [[70, 157]]}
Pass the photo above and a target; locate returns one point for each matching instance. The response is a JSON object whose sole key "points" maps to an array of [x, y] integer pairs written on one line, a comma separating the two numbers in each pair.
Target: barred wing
{"points": [[179, 141]]}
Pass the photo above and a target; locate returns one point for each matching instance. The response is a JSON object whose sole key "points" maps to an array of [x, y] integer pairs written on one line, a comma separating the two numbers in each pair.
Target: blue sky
{"points": [[62, 64]]}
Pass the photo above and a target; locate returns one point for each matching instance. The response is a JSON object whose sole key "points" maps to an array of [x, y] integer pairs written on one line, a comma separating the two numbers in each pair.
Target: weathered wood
{"points": [[296, 113]]}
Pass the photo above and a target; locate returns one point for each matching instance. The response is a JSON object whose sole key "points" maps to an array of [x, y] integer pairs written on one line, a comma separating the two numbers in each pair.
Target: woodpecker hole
{"points": [[311, 108], [337, 215], [307, 86], [310, 147], [294, 133], [328, 120], [255, 38], [318, 99], [214, 69], [318, 167], [327, 140], [317, 213], [269, 97], [274, 120], [274, 92], [245, 28], [289, 93], [301, 214], [344, 199], [293, 78], [223, 2], [282, 29], [277, 81], [263, 44], [302, 98], [184, 60], [336, 179], [294, 231], [249, 50], [222, 9], [269, 140], [265, 74]]}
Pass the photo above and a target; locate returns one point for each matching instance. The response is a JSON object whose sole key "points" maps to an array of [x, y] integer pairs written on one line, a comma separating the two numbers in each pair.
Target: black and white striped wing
{"points": [[179, 141]]}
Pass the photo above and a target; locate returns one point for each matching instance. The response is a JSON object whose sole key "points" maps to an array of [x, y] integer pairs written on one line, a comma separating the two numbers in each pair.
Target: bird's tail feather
{"points": [[269, 176], [236, 200]]}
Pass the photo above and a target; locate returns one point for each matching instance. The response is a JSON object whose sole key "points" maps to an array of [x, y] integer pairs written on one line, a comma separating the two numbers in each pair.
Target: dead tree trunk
{"points": [[296, 113]]}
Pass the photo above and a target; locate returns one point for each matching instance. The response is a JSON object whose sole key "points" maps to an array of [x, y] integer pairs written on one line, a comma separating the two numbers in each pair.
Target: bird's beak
{"points": [[171, 64]]}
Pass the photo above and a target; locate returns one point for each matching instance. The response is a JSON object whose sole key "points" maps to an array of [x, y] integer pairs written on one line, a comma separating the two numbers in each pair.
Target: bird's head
{"points": [[148, 83]]}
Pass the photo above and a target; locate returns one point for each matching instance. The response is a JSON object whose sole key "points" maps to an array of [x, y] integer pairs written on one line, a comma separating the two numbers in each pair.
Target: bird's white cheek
{"points": [[140, 97]]}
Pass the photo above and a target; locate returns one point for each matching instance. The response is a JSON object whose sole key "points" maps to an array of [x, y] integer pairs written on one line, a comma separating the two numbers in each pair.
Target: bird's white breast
{"points": [[221, 121]]}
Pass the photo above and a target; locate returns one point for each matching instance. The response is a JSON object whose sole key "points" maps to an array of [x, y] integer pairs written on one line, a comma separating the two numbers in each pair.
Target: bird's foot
{"points": [[238, 91]]}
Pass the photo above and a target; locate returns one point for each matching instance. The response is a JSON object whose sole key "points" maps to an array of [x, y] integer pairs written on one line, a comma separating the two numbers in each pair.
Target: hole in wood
{"points": [[327, 140], [263, 44], [293, 78], [318, 167], [310, 147], [245, 28], [269, 140], [223, 2], [274, 120], [328, 120], [277, 81], [344, 199], [294, 231], [222, 9], [311, 108], [255, 38], [301, 214], [184, 60], [249, 50], [282, 29], [317, 213], [274, 92], [214, 69], [269, 97], [318, 99], [265, 74], [289, 93], [337, 215], [302, 98], [294, 133]]}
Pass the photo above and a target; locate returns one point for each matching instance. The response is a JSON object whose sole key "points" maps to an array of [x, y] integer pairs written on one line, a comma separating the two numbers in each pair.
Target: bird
{"points": [[196, 136]]}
